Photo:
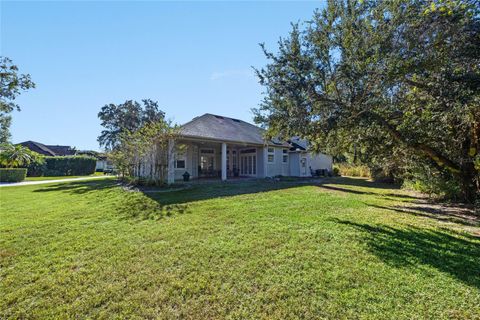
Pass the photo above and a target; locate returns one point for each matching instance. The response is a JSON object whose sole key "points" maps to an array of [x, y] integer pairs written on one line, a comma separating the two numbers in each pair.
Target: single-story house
{"points": [[49, 150], [217, 146], [59, 151], [103, 164]]}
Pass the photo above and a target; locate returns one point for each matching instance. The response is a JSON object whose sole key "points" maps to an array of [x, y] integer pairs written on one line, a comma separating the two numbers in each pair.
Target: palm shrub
{"points": [[14, 156]]}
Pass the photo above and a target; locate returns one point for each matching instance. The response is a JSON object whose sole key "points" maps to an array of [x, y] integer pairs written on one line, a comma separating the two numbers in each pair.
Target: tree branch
{"points": [[426, 150]]}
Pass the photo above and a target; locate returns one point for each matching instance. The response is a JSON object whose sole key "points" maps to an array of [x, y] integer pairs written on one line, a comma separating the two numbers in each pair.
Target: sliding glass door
{"points": [[248, 162]]}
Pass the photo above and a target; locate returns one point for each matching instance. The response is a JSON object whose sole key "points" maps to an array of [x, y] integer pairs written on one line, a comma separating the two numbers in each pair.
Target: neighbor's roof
{"points": [[210, 126], [297, 144], [38, 147], [62, 150], [48, 150]]}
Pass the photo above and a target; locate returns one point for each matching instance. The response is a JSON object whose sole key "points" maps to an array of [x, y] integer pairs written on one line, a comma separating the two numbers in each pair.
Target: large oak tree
{"points": [[396, 77]]}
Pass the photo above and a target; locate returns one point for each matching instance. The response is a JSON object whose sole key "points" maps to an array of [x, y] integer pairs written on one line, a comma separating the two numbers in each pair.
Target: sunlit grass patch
{"points": [[332, 248]]}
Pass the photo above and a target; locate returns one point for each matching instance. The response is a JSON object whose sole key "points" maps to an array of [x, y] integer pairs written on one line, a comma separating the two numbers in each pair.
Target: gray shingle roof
{"points": [[298, 144], [210, 126]]}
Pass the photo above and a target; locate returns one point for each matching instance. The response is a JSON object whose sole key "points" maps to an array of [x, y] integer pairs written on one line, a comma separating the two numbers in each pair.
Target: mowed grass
{"points": [[344, 248]]}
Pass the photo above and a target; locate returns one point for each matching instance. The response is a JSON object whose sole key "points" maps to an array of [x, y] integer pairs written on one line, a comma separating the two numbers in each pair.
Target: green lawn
{"points": [[346, 248], [96, 174]]}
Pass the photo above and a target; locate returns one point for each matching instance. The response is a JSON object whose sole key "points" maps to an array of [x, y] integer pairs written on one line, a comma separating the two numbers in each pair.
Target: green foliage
{"points": [[12, 156], [349, 170], [143, 181], [5, 122], [126, 117], [336, 171], [11, 85], [428, 180], [12, 174], [381, 79], [69, 166], [143, 154], [37, 167]]}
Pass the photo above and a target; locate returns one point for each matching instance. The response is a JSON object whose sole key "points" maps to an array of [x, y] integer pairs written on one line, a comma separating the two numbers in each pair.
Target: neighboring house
{"points": [[103, 164], [49, 150], [217, 146]]}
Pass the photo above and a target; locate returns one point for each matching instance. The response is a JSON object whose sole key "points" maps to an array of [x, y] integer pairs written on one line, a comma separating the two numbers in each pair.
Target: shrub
{"points": [[352, 170], [69, 166], [380, 174], [143, 181], [12, 174], [336, 171], [434, 183], [37, 167]]}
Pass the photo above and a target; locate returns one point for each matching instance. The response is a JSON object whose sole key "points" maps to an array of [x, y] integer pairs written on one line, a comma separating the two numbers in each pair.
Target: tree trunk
{"points": [[466, 172], [470, 189]]}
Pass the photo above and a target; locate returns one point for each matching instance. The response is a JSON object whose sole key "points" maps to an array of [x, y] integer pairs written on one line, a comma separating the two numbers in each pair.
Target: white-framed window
{"points": [[234, 154], [270, 155], [207, 160], [285, 156], [181, 157]]}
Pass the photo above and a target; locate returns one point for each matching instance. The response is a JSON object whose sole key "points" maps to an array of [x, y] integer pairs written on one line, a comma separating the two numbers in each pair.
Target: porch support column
{"points": [[171, 162], [224, 161], [265, 161]]}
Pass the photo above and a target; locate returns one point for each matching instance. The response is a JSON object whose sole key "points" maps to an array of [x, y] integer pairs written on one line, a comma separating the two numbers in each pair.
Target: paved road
{"points": [[28, 183]]}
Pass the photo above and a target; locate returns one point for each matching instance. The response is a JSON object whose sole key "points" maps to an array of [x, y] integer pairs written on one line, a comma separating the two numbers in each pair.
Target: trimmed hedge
{"points": [[69, 166], [37, 167], [12, 174]]}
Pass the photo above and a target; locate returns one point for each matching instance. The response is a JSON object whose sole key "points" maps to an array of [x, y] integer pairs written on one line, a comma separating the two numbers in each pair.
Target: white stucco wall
{"points": [[321, 161], [278, 167], [101, 164]]}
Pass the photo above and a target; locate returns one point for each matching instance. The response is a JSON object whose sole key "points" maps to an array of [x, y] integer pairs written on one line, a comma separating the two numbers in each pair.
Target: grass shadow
{"points": [[458, 256], [163, 203], [79, 187], [342, 184], [220, 190], [444, 214], [136, 205], [363, 182], [148, 204]]}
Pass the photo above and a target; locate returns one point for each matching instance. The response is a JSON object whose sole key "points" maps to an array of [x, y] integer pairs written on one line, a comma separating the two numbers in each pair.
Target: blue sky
{"points": [[191, 57]]}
